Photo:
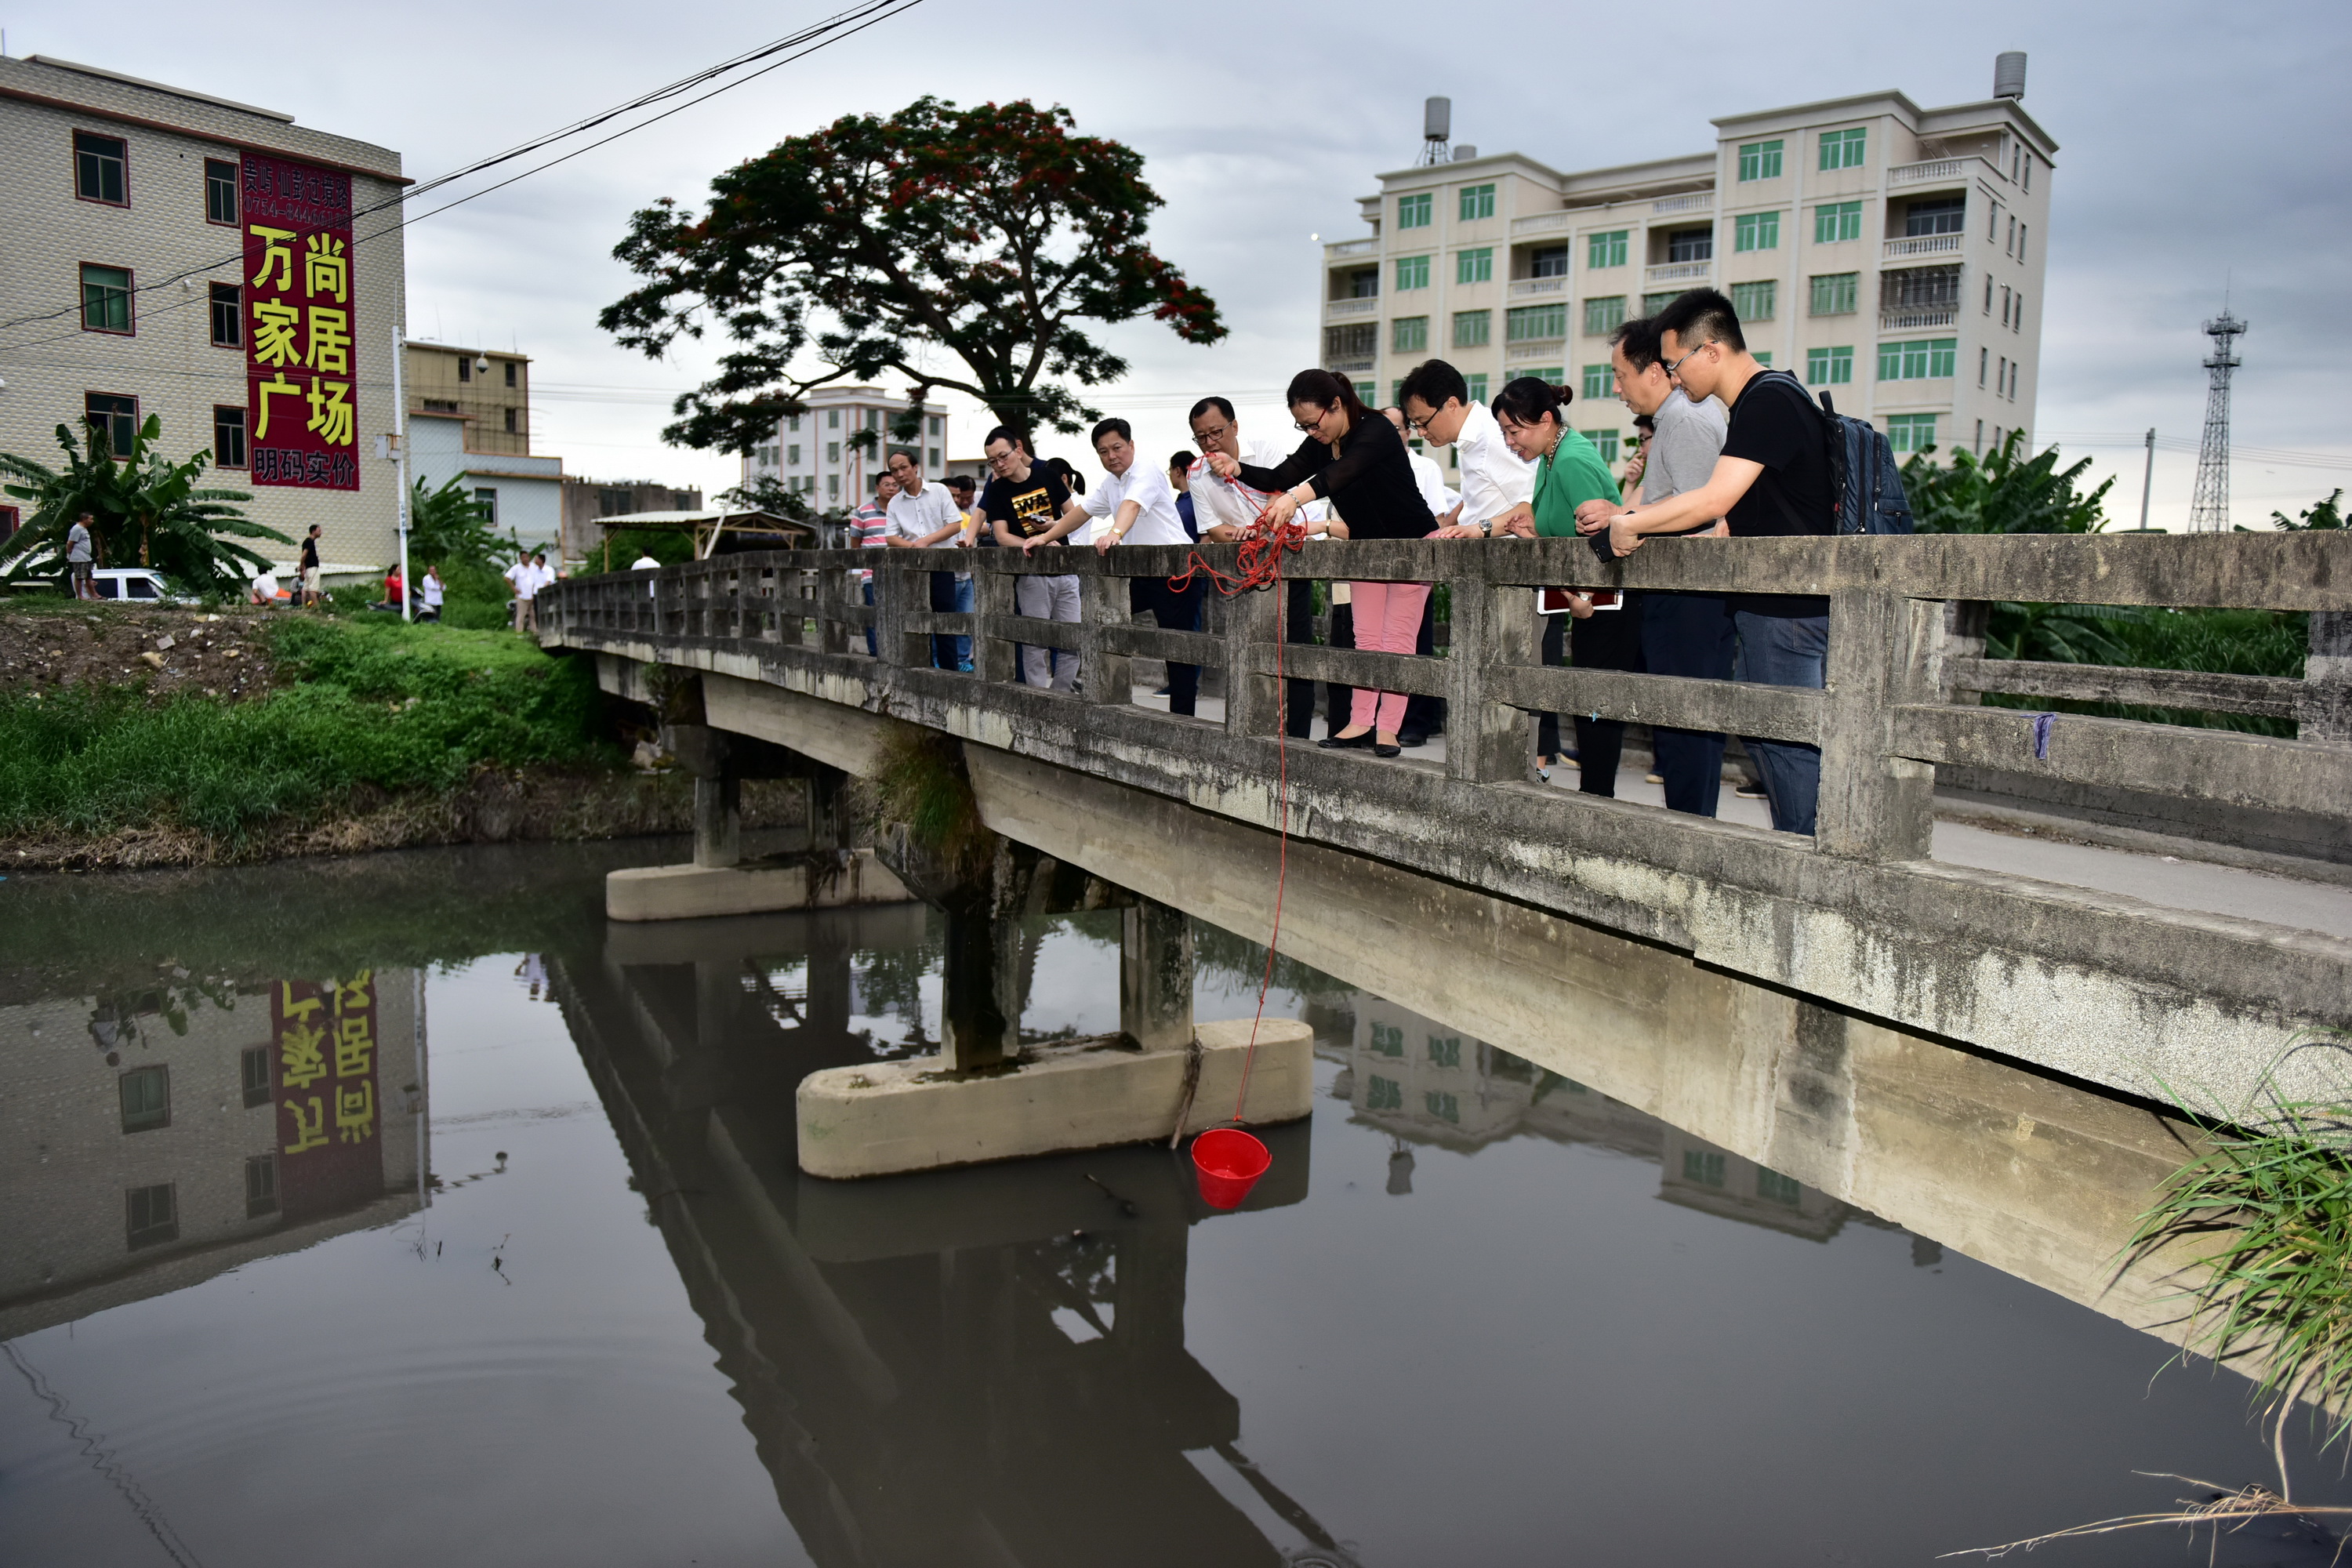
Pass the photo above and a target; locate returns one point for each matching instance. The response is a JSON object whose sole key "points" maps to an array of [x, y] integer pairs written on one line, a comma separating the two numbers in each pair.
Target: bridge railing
{"points": [[1906, 655]]}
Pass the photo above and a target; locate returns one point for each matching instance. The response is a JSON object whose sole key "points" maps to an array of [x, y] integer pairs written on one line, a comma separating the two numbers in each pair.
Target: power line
{"points": [[816, 37]]}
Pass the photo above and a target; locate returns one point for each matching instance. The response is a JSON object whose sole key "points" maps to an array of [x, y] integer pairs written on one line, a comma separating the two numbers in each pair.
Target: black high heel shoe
{"points": [[1347, 742], [1380, 751]]}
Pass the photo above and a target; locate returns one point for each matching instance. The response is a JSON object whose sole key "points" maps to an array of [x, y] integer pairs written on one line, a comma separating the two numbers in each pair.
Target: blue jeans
{"points": [[1689, 635], [951, 594], [1786, 650]]}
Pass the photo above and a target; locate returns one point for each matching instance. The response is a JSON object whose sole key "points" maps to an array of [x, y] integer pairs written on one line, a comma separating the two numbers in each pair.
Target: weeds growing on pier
{"points": [[918, 779]]}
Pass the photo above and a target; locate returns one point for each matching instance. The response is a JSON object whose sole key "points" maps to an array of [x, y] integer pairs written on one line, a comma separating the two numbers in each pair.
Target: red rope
{"points": [[1260, 567]]}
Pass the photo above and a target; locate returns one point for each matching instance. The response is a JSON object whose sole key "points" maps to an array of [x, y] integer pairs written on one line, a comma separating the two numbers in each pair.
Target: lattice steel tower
{"points": [[2208, 508]]}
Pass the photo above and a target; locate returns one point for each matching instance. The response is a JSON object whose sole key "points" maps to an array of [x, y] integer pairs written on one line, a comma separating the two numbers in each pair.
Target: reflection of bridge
{"points": [[982, 1368], [2123, 991]]}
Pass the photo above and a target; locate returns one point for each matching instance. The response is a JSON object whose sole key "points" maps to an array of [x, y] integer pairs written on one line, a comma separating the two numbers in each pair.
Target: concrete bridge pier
{"points": [[986, 1097], [719, 880]]}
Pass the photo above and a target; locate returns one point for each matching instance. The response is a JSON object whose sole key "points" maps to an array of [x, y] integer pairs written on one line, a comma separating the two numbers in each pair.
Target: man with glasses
{"points": [[1438, 410], [1773, 478], [1028, 506], [1227, 508], [923, 516]]}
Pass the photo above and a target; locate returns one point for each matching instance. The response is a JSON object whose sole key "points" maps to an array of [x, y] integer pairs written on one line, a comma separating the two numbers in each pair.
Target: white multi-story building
{"points": [[813, 454], [129, 207], [1888, 254]]}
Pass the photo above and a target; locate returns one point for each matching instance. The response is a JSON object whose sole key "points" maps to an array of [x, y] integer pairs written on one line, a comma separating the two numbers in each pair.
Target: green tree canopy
{"points": [[2004, 491], [143, 507], [448, 527], [2328, 513], [986, 235]]}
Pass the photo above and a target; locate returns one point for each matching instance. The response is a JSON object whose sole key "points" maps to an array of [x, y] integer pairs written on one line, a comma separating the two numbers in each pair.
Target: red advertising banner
{"points": [[323, 1045], [301, 365]]}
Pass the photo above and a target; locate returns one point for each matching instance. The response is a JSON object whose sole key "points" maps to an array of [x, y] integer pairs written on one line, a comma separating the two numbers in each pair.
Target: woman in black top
{"points": [[1356, 460]]}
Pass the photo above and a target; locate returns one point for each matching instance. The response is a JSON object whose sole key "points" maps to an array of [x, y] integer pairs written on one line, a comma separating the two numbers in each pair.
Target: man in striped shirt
{"points": [[871, 524]]}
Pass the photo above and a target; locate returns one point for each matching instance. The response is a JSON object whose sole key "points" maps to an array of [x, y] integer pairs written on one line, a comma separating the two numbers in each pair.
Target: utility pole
{"points": [[400, 464], [2208, 508], [2148, 479]]}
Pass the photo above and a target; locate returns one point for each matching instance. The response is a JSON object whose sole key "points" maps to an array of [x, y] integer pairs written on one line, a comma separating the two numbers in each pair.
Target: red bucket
{"points": [[1228, 1162]]}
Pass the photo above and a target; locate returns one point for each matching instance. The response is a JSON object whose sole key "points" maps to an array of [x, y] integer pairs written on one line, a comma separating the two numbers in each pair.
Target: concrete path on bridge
{"points": [[2045, 855]]}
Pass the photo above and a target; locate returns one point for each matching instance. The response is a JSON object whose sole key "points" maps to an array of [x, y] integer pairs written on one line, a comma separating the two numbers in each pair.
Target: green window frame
{"points": [[1911, 432], [1844, 149], [1653, 303], [1442, 1105], [1603, 251], [1605, 443], [1918, 358], [1474, 266], [1388, 1039], [1412, 272], [1477, 385], [1534, 323], [1761, 356], [1600, 381], [105, 298], [1774, 1188], [1829, 367], [1414, 211], [1835, 294], [1837, 222], [1473, 328], [1703, 1166], [1445, 1050], [1477, 201], [1756, 301], [146, 1096], [1756, 231], [1761, 160], [1365, 389], [1409, 336], [1383, 1093], [1603, 314], [1549, 374]]}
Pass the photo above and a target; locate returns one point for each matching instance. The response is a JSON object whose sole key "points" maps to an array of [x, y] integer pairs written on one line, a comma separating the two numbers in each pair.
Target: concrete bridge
{"points": [[1463, 888]]}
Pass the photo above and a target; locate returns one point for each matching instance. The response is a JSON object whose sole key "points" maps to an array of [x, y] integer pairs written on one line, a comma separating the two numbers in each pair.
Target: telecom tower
{"points": [[2209, 509]]}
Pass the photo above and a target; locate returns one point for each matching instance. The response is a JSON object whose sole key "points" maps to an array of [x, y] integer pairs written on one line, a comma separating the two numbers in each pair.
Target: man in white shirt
{"points": [[923, 517], [1141, 509], [1437, 408], [1223, 510], [430, 594], [523, 583], [1441, 503]]}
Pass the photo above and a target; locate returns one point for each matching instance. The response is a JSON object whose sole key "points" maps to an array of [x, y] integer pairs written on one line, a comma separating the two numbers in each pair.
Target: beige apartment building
{"points": [[469, 420], [813, 453], [127, 293], [1887, 254]]}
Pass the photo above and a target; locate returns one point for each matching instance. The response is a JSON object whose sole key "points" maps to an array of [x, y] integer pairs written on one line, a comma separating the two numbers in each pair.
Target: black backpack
{"points": [[1866, 493]]}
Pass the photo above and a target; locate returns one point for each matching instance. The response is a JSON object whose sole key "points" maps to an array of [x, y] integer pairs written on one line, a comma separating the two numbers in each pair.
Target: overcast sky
{"points": [[2196, 147]]}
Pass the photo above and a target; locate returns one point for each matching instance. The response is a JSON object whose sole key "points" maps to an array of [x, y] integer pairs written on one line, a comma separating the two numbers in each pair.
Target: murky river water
{"points": [[520, 1271]]}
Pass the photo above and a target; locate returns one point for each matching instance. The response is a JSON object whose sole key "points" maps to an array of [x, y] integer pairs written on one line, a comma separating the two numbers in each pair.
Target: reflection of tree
{"points": [[114, 1019], [891, 980], [1240, 960]]}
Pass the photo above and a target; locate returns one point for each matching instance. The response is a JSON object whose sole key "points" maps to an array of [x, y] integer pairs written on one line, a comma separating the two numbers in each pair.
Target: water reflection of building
{"points": [[984, 1365], [1424, 1083], [152, 1138]]}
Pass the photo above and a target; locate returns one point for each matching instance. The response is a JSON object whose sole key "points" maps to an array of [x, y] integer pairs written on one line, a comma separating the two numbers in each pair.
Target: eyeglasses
{"points": [[1209, 435], [1419, 427], [1000, 459], [1310, 427], [1678, 364]]}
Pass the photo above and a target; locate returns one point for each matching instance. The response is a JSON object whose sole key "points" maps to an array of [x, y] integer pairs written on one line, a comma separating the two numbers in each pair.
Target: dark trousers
{"points": [[1786, 650], [1298, 696], [1689, 635], [948, 596], [1425, 715], [1607, 639], [1173, 612], [872, 647]]}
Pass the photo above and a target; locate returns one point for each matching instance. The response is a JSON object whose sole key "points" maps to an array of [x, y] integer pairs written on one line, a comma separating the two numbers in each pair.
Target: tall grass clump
{"points": [[399, 708], [919, 780]]}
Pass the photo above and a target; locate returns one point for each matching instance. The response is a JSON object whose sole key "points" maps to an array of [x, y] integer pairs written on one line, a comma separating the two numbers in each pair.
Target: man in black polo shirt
{"points": [[1022, 503], [1773, 478]]}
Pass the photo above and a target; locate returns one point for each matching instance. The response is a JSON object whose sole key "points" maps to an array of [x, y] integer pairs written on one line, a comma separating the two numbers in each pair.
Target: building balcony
{"points": [[1918, 318], [1679, 272], [1339, 247], [1354, 364], [1537, 348], [1689, 204], [1941, 172], [1543, 223], [1925, 244], [1537, 287], [1341, 310]]}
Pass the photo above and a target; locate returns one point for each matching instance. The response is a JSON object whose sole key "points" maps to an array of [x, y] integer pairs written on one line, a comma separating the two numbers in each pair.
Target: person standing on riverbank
{"points": [[430, 593], [306, 572], [80, 557]]}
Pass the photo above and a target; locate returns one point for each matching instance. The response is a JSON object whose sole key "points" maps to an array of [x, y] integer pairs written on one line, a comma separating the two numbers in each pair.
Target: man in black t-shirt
{"points": [[1773, 478], [1023, 502]]}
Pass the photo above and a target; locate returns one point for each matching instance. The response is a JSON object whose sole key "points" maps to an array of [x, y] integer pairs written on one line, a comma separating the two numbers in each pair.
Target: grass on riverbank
{"points": [[373, 703]]}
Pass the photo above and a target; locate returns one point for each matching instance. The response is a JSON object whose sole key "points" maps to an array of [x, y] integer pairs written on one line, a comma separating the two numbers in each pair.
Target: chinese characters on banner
{"points": [[302, 367], [323, 1047]]}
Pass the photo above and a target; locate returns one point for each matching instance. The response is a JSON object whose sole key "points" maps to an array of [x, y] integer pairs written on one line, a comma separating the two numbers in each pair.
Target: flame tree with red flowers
{"points": [[989, 235]]}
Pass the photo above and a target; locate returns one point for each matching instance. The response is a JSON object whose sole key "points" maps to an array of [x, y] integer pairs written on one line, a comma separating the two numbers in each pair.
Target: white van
{"points": [[134, 585]]}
